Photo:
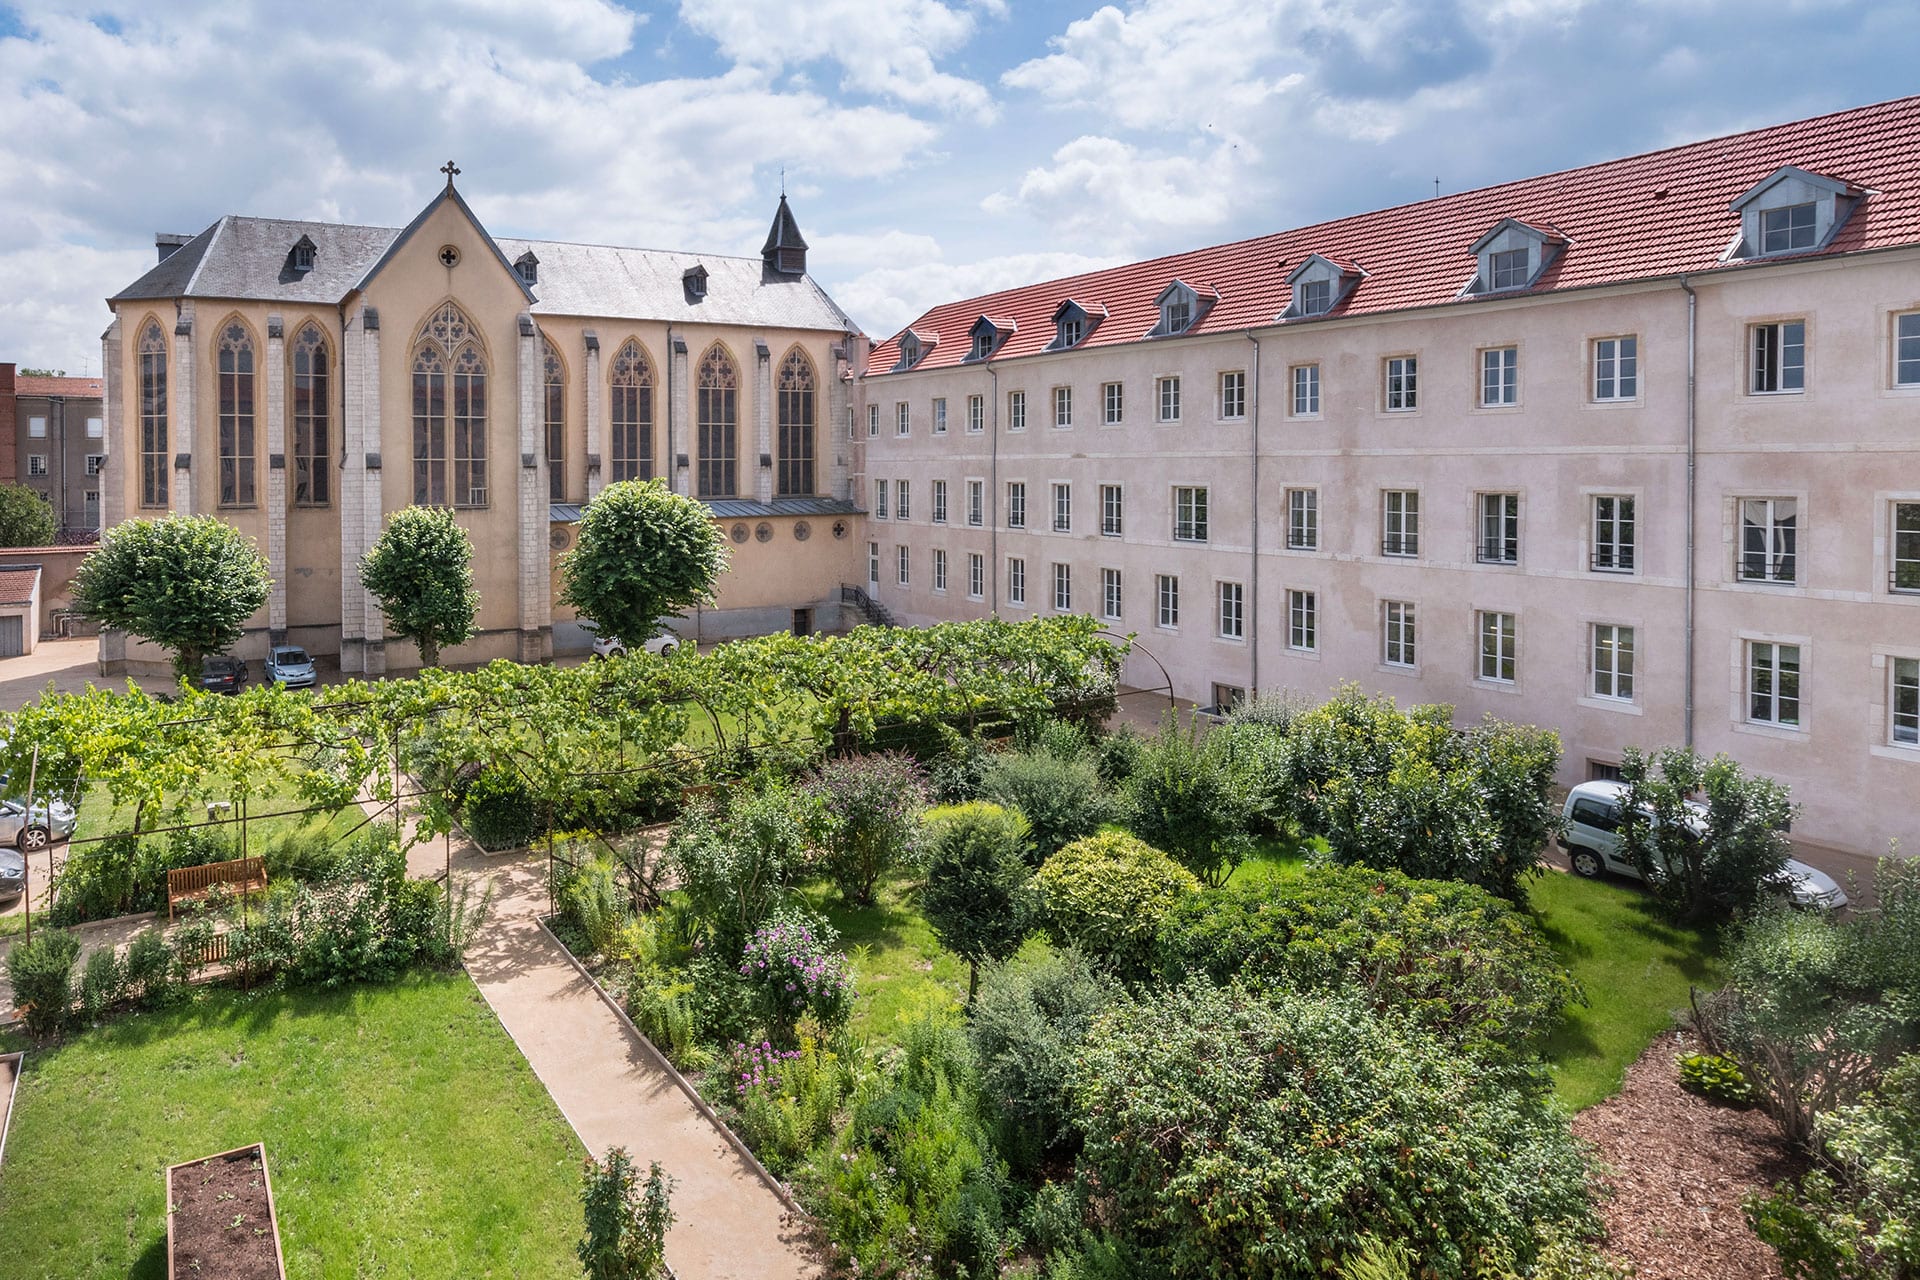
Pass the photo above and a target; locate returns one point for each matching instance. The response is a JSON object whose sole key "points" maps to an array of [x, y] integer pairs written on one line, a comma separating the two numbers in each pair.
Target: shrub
{"points": [[42, 975], [1062, 799], [1702, 866], [594, 901], [1117, 755], [1464, 964], [788, 1099], [1184, 798], [954, 776], [865, 820], [103, 983], [498, 810], [1713, 1075], [736, 873], [977, 874], [1027, 1027], [147, 961], [1298, 1126], [667, 1015], [790, 970], [1107, 895], [626, 1219]]}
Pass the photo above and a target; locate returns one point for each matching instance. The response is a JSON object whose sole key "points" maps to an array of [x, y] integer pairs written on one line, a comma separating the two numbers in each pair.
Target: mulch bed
{"points": [[1675, 1167], [222, 1224]]}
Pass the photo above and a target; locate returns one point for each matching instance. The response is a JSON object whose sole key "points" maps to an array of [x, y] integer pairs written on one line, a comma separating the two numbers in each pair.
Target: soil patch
{"points": [[222, 1219], [1675, 1169]]}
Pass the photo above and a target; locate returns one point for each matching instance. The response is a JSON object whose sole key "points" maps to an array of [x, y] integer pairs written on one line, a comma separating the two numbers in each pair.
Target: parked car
{"points": [[51, 822], [290, 665], [13, 874], [605, 646], [1592, 841], [222, 674]]}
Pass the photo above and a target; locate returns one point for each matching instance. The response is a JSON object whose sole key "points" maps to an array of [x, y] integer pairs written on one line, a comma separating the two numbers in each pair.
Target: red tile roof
{"points": [[1648, 216], [76, 388], [17, 582]]}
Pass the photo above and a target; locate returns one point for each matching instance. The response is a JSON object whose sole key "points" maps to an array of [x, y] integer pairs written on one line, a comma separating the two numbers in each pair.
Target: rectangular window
{"points": [[95, 429], [1016, 411], [1498, 643], [1167, 588], [904, 506], [1016, 504], [902, 419], [1400, 522], [1397, 633], [1303, 519], [1233, 611], [1316, 297], [905, 557], [939, 415], [1905, 574], [1779, 357], [1403, 383], [1169, 399], [1063, 508], [1906, 354], [90, 509], [976, 414], [1063, 406], [1063, 587], [1784, 230], [873, 419], [36, 464], [1499, 528], [881, 509], [1773, 684], [1306, 390], [1233, 395], [1303, 621], [939, 501], [1499, 377], [1190, 515], [1613, 533], [95, 462], [873, 566], [976, 502], [1769, 536], [1616, 368], [37, 428], [1613, 661], [1110, 601], [939, 570], [1016, 580], [1112, 511], [1905, 702], [976, 576], [1113, 402], [155, 465], [1511, 268]]}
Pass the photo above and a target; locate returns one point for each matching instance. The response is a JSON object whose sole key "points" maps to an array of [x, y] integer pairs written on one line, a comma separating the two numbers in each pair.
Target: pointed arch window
{"points": [[449, 407], [718, 417], [795, 402], [153, 417], [554, 407], [237, 459], [312, 419], [631, 414]]}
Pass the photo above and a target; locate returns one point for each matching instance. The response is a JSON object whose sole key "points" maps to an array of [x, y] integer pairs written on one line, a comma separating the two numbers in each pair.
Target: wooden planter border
{"points": [[266, 1177], [16, 1060]]}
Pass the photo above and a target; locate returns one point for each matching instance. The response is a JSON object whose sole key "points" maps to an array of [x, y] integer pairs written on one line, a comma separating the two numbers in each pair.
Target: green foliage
{"points": [[865, 818], [595, 901], [1061, 797], [1463, 964], [147, 968], [626, 1219], [977, 873], [788, 1102], [790, 969], [1107, 895], [41, 972], [1703, 865], [737, 868], [1713, 1075], [1184, 797], [26, 518], [103, 983], [1027, 1027], [499, 810], [1266, 1136], [644, 553], [420, 571], [185, 583]]}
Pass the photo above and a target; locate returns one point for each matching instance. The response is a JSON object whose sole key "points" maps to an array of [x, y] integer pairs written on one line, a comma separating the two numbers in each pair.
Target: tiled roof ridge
{"points": [[527, 240]]}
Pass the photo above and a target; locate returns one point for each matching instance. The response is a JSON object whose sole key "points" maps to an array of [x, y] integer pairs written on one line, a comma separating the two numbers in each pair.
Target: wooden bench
{"points": [[190, 883]]}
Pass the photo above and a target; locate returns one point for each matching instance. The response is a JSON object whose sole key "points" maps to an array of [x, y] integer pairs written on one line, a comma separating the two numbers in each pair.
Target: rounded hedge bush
{"points": [[1107, 895], [499, 811]]}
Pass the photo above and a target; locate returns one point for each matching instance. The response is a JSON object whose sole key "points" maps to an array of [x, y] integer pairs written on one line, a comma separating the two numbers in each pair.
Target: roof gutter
{"points": [[1693, 493]]}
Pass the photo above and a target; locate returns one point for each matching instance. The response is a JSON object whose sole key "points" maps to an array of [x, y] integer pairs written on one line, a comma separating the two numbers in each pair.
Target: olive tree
{"points": [[420, 570], [185, 583], [644, 553]]}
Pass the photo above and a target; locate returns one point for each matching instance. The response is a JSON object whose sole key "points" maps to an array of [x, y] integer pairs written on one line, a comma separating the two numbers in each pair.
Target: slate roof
{"points": [[247, 258], [1644, 217], [72, 388], [17, 582]]}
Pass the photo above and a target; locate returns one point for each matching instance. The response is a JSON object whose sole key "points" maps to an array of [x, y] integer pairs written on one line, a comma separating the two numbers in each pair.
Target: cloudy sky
{"points": [[932, 148]]}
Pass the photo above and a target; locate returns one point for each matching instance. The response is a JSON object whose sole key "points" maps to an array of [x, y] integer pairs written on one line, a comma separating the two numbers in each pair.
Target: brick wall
{"points": [[9, 434]]}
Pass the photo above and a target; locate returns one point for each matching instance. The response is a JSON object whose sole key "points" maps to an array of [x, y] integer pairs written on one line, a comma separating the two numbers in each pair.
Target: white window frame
{"points": [[1113, 403], [1062, 408], [902, 418], [1303, 519], [1191, 522], [1400, 523], [1499, 377], [976, 502], [882, 508], [1399, 635], [939, 571], [1016, 411], [976, 576], [1614, 546], [873, 566], [1169, 397], [939, 415], [1903, 723], [976, 415], [1616, 369], [902, 501], [1016, 504], [1316, 297], [1611, 660], [1303, 621], [1400, 386], [1903, 547], [96, 463], [1230, 614], [939, 502], [1113, 511], [903, 557], [36, 465], [1112, 599], [1017, 580], [1784, 230], [1777, 358], [1062, 587], [1509, 269], [873, 420], [1773, 559], [1304, 399], [1905, 351], [1771, 655], [1497, 525], [1499, 646], [1166, 594], [1233, 395], [1062, 506]]}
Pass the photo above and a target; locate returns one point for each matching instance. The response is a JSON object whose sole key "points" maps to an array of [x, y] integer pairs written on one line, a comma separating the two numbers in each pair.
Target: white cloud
{"points": [[887, 299], [1112, 193]]}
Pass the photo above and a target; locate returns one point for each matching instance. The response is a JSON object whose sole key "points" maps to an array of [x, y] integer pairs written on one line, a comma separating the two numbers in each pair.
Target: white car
{"points": [[1593, 845], [50, 822], [605, 646]]}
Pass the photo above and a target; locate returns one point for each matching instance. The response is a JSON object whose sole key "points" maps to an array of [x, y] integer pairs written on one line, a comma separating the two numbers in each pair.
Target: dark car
{"points": [[13, 874], [221, 674]]}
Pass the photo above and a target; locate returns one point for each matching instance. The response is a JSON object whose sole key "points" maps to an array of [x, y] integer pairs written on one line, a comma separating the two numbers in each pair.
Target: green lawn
{"points": [[99, 816], [405, 1135]]}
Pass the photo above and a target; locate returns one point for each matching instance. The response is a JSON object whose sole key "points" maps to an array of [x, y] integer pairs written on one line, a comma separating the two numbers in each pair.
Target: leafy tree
{"points": [[185, 583], [736, 869], [976, 876], [420, 570], [1703, 864], [865, 819], [1183, 797], [1027, 1026], [1107, 895], [1061, 797], [26, 518], [644, 553]]}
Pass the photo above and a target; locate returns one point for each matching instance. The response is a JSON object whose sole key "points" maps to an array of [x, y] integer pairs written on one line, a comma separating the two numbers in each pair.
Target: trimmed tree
{"points": [[421, 572], [1704, 864], [976, 880], [185, 583], [26, 518], [644, 553]]}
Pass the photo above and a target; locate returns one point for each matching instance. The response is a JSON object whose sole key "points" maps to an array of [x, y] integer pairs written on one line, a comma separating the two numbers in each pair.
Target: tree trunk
{"points": [[186, 663], [429, 652], [973, 980]]}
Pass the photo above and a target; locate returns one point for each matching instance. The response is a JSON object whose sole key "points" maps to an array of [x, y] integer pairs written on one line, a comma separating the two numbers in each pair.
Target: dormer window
{"points": [[527, 267], [1784, 230], [1072, 329], [1319, 285], [1316, 297], [1513, 256], [1072, 322], [695, 280], [1511, 269], [912, 348], [983, 344], [300, 258], [1792, 211], [1181, 308], [988, 333]]}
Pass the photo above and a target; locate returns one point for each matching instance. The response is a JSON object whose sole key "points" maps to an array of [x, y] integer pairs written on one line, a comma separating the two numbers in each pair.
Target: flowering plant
{"points": [[791, 968]]}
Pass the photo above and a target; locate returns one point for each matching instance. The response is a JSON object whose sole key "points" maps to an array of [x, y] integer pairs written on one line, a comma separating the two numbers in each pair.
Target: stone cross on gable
{"points": [[450, 169]]}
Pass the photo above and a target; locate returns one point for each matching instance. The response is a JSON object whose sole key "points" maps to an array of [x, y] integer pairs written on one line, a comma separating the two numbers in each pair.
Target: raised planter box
{"points": [[221, 1223]]}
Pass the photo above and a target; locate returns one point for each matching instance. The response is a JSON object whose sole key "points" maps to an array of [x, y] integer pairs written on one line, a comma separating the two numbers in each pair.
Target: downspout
{"points": [[1693, 486], [668, 463], [993, 499], [1253, 580]]}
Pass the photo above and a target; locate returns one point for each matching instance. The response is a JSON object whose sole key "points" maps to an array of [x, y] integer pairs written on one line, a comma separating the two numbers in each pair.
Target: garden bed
{"points": [[221, 1223]]}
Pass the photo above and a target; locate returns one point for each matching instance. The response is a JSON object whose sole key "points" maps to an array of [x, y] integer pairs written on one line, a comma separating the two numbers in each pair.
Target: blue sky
{"points": [[933, 148]]}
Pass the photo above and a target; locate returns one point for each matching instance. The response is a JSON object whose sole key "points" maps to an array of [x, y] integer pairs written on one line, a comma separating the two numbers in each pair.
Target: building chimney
{"points": [[168, 241]]}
